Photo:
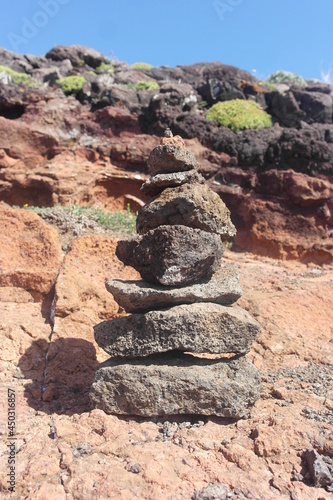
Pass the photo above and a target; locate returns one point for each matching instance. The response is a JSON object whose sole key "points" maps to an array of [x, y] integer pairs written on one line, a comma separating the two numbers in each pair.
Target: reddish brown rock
{"points": [[294, 305], [31, 254]]}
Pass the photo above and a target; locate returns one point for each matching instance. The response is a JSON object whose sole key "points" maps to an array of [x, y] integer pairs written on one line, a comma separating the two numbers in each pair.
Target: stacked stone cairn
{"points": [[182, 310]]}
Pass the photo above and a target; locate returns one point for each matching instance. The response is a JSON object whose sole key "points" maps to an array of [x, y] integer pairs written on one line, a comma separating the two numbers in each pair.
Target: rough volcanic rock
{"points": [[159, 182], [295, 188], [317, 106], [173, 255], [76, 54], [199, 328], [189, 205], [168, 385], [171, 158], [30, 251], [321, 474], [138, 296]]}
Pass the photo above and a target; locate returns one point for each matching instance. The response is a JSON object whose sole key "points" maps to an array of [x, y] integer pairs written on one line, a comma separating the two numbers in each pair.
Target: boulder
{"points": [[76, 54], [173, 255], [139, 296], [159, 182], [171, 158], [30, 251], [194, 206], [171, 385], [209, 328]]}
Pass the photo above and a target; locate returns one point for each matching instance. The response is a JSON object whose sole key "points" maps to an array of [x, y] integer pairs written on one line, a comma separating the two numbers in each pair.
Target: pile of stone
{"points": [[182, 309]]}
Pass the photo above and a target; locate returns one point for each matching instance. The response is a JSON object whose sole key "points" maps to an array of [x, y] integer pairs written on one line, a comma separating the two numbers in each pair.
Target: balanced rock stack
{"points": [[182, 306]]}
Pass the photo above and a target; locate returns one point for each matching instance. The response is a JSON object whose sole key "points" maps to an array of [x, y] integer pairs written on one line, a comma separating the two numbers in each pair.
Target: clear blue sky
{"points": [[265, 35]]}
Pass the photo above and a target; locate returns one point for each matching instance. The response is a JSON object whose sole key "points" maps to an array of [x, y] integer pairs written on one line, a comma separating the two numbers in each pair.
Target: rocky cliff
{"points": [[87, 139]]}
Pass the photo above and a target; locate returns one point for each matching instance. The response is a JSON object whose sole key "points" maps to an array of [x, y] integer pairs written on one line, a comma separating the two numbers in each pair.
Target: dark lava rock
{"points": [[159, 182], [171, 158], [320, 472], [76, 54], [173, 255], [194, 206]]}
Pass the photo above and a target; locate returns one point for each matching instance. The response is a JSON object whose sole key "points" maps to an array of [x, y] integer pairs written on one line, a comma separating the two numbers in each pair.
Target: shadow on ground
{"points": [[61, 373]]}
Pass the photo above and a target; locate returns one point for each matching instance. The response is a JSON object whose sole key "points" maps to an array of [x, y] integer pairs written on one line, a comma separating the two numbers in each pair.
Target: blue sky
{"points": [[260, 35]]}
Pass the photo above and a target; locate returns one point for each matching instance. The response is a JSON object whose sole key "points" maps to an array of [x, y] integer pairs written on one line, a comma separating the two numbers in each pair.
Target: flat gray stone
{"points": [[173, 255], [199, 328], [171, 158], [173, 385], [156, 184], [138, 296], [192, 205]]}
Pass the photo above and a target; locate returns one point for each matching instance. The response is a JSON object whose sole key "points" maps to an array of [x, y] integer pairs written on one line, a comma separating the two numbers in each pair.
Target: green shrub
{"points": [[104, 67], [71, 216], [19, 78], [145, 85], [239, 114], [286, 77], [72, 84], [142, 66]]}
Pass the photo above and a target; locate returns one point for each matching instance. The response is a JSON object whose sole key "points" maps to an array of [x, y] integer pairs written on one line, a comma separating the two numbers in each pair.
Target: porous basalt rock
{"points": [[171, 158], [138, 296], [194, 206], [209, 328], [178, 308], [176, 384], [173, 255], [156, 184]]}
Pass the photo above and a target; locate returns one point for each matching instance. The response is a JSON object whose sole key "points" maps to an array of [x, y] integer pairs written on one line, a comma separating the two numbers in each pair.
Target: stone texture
{"points": [[30, 251], [156, 184], [189, 205], [180, 455], [138, 296], [177, 140], [199, 328], [171, 158], [171, 385], [172, 255], [321, 474]]}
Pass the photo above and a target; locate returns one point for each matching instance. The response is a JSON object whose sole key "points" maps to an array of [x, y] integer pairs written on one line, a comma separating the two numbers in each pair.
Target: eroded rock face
{"points": [[171, 158], [173, 255], [138, 296], [209, 328], [189, 205], [175, 385], [30, 251]]}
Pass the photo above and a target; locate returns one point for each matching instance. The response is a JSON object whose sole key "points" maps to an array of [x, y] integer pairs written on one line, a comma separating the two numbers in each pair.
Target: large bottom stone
{"points": [[138, 296], [176, 384], [198, 328]]}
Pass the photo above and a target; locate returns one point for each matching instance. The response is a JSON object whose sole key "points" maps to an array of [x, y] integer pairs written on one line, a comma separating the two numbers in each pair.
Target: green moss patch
{"points": [[239, 114]]}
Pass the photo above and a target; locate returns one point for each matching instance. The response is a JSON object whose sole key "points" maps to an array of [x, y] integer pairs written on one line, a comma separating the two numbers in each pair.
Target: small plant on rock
{"points": [[145, 85], [104, 67], [287, 78], [19, 78], [239, 114], [141, 66], [72, 84]]}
